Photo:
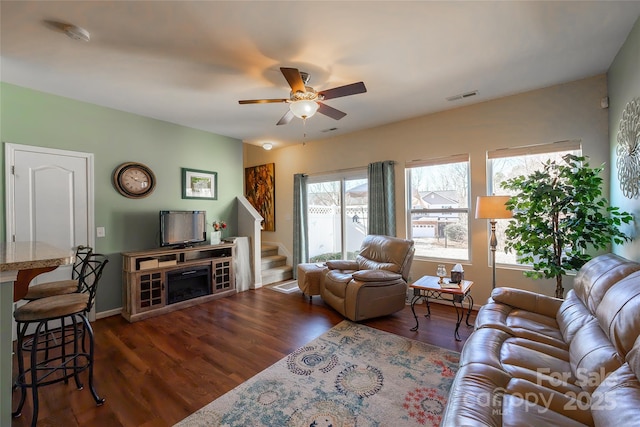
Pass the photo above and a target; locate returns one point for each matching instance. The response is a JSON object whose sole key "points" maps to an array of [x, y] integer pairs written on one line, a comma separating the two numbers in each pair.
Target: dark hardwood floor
{"points": [[157, 371]]}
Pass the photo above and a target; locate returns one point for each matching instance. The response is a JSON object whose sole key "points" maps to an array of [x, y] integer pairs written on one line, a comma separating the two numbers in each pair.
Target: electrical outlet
{"points": [[100, 232]]}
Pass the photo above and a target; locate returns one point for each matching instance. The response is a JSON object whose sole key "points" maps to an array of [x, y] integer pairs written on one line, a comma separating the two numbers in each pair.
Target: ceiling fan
{"points": [[304, 101]]}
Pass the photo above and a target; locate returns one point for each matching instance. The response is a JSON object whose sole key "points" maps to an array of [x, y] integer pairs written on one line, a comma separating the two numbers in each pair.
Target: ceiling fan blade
{"points": [[330, 111], [346, 90], [294, 79], [261, 101], [288, 116]]}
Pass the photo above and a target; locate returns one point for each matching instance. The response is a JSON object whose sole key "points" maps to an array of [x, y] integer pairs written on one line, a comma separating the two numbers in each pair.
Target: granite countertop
{"points": [[29, 255]]}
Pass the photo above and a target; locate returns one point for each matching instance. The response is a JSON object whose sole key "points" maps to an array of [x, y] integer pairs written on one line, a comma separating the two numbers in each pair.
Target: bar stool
{"points": [[61, 287], [58, 353]]}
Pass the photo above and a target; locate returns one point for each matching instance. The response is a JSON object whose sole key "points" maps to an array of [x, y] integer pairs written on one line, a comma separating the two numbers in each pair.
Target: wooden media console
{"points": [[161, 280]]}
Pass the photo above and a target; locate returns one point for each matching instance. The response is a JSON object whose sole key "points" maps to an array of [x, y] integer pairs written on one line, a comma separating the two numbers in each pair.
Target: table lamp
{"points": [[492, 208]]}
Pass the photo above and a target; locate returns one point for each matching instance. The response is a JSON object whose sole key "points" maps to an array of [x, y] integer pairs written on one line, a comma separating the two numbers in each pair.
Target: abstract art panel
{"points": [[260, 190]]}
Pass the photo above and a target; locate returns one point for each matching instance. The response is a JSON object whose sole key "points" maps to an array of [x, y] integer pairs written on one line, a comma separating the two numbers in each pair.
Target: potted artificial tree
{"points": [[559, 215]]}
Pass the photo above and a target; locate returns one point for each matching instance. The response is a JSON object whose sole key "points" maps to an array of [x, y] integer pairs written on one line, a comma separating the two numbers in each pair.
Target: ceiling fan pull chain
{"points": [[304, 130]]}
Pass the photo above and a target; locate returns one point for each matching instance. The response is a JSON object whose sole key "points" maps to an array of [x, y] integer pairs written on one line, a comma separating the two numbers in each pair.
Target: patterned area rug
{"points": [[352, 375]]}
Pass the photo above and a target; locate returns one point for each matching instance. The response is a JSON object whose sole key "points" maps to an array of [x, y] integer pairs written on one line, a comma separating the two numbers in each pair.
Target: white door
{"points": [[49, 199]]}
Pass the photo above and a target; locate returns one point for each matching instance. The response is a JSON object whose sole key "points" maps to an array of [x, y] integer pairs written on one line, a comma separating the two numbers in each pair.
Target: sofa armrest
{"points": [[527, 300], [342, 265]]}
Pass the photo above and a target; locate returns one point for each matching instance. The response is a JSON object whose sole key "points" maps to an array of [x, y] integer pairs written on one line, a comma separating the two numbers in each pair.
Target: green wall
{"points": [[623, 80], [34, 118]]}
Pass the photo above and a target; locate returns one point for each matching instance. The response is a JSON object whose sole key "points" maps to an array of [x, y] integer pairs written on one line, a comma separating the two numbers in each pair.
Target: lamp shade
{"points": [[304, 108], [492, 207]]}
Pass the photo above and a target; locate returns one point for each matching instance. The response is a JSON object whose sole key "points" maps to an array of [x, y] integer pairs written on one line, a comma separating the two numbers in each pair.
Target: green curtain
{"points": [[382, 200], [300, 222]]}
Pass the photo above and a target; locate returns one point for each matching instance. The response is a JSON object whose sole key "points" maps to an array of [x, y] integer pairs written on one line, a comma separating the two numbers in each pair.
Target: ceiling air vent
{"points": [[329, 130], [462, 95]]}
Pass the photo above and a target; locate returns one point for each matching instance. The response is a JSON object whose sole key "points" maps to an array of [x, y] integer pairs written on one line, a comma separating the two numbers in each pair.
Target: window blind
{"points": [[457, 158], [554, 147]]}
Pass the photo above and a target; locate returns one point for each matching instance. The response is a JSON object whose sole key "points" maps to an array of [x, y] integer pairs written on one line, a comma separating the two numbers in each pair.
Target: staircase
{"points": [[274, 266]]}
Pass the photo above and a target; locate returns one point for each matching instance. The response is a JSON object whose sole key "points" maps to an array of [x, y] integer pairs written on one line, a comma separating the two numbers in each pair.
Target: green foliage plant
{"points": [[559, 217]]}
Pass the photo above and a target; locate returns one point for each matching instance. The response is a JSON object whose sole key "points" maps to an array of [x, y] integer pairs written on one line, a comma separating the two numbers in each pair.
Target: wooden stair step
{"points": [[277, 274], [274, 266], [272, 261], [268, 250]]}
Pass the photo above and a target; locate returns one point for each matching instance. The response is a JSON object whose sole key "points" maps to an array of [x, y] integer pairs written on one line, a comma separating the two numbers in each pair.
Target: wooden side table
{"points": [[427, 287]]}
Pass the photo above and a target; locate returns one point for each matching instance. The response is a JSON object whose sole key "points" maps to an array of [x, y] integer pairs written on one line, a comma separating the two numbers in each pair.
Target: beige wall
{"points": [[567, 111]]}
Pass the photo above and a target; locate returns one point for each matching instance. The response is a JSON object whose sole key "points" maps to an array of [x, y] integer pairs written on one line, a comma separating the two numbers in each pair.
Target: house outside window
{"points": [[508, 163], [438, 207], [338, 213]]}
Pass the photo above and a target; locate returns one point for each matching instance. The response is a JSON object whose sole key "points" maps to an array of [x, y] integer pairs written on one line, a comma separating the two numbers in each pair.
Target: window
{"points": [[511, 162], [438, 207], [337, 215]]}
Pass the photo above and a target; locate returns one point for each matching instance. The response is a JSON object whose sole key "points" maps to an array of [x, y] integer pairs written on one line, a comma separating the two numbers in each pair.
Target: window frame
{"points": [[409, 211], [521, 151]]}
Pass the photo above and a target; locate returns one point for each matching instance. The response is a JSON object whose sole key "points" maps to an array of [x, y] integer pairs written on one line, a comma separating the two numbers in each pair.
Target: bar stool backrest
{"points": [[90, 276], [82, 253]]}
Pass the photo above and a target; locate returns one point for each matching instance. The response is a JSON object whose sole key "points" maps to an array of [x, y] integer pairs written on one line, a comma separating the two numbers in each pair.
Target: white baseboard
{"points": [[108, 313]]}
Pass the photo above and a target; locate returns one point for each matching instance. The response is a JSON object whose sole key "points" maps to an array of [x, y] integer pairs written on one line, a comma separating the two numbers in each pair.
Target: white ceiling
{"points": [[189, 62]]}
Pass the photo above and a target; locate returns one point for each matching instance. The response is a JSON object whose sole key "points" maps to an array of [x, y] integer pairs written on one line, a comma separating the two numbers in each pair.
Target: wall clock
{"points": [[628, 150], [134, 180]]}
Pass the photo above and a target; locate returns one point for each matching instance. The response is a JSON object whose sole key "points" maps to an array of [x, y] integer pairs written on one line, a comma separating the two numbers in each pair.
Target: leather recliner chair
{"points": [[372, 285]]}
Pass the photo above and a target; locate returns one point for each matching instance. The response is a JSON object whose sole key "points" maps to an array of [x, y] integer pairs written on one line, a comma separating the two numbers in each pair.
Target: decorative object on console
{"points": [[199, 184], [216, 234], [215, 238], [628, 150], [218, 225], [492, 208], [260, 191], [134, 180]]}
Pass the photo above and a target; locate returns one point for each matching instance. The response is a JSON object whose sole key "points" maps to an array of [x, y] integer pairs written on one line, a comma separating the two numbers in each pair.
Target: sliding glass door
{"points": [[337, 214]]}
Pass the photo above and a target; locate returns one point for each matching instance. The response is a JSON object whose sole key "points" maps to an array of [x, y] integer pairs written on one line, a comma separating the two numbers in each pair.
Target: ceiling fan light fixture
{"points": [[304, 101], [304, 108]]}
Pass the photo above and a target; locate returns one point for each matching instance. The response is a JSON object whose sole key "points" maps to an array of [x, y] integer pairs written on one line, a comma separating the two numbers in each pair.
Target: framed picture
{"points": [[199, 184], [260, 191]]}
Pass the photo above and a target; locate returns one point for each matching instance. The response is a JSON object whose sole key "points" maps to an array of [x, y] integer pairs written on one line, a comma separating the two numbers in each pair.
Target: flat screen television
{"points": [[182, 228]]}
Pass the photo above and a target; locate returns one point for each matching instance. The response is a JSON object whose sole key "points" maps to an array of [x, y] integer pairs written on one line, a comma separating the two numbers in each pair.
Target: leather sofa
{"points": [[372, 285], [535, 360]]}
